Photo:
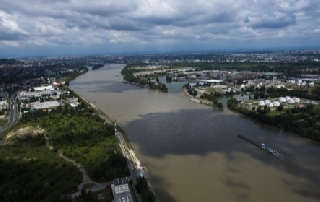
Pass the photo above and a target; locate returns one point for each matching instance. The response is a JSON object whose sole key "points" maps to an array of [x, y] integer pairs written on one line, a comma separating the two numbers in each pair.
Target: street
{"points": [[13, 116]]}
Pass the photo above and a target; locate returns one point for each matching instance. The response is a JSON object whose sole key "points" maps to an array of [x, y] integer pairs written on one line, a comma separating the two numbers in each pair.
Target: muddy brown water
{"points": [[192, 151]]}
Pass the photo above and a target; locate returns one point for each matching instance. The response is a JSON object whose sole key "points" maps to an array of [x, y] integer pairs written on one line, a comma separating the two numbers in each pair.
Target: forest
{"points": [[30, 171]]}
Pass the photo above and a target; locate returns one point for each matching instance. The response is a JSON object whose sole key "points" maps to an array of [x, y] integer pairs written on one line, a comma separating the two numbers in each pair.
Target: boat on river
{"points": [[260, 145]]}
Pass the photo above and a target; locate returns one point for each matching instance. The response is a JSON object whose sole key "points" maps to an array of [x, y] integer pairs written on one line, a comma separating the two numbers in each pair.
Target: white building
{"points": [[3, 105], [296, 100], [44, 105], [270, 105], [276, 104], [42, 88], [121, 190], [282, 99], [262, 103]]}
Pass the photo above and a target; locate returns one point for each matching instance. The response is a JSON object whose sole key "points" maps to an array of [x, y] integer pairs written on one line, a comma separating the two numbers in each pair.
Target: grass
{"points": [[3, 122], [275, 113]]}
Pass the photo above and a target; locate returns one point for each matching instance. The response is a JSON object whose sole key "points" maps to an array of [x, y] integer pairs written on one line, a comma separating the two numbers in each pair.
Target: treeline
{"points": [[143, 189], [29, 171], [97, 66], [212, 97], [8, 61], [157, 85], [72, 75], [303, 121], [115, 165], [127, 74], [290, 69], [263, 93]]}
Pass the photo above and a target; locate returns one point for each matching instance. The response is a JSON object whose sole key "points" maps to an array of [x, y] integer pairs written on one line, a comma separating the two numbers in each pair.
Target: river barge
{"points": [[261, 146]]}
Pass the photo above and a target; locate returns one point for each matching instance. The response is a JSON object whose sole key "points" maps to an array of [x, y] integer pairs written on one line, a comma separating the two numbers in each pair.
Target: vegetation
{"points": [[303, 121], [290, 69], [8, 61], [69, 76], [143, 188], [312, 94], [3, 122], [212, 97], [97, 66], [30, 171], [127, 73], [82, 135]]}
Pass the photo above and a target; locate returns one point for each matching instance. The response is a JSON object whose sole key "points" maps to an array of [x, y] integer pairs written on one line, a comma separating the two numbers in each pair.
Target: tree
{"points": [[280, 108]]}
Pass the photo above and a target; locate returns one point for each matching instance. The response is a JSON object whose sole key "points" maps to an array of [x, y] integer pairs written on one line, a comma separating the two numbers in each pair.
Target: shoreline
{"points": [[122, 144], [197, 100]]}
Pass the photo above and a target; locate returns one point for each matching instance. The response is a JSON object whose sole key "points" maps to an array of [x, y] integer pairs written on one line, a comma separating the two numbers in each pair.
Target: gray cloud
{"points": [[11, 36], [274, 21], [155, 22]]}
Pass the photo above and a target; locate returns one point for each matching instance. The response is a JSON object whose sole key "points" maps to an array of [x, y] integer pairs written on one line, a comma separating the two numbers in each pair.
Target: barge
{"points": [[261, 146]]}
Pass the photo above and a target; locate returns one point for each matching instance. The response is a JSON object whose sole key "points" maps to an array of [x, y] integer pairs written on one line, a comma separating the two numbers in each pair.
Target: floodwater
{"points": [[192, 151]]}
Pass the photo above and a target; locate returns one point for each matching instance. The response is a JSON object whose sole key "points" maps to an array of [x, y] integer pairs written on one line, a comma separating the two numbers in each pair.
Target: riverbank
{"points": [[196, 99], [136, 169]]}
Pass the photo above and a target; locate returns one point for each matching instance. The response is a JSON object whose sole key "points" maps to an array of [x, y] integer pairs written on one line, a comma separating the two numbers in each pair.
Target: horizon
{"points": [[31, 28], [180, 52]]}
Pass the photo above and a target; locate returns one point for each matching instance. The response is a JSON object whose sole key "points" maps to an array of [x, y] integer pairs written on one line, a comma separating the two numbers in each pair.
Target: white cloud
{"points": [[153, 22]]}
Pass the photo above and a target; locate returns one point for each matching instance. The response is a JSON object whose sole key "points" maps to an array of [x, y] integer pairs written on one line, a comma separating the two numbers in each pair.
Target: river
{"points": [[192, 151]]}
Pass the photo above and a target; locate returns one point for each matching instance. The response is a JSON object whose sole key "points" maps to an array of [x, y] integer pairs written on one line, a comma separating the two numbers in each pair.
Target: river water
{"points": [[192, 151]]}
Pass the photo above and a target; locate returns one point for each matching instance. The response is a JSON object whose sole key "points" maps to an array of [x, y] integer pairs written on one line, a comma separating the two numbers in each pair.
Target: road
{"points": [[13, 114]]}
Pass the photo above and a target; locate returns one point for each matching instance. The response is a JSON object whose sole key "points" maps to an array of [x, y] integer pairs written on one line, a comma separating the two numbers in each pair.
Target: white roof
{"points": [[212, 81], [41, 88]]}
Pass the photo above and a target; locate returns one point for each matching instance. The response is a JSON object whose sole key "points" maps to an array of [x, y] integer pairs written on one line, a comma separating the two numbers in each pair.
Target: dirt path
{"points": [[85, 178]]}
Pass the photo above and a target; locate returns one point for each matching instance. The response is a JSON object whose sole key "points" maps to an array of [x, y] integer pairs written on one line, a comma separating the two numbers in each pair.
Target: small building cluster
{"points": [[45, 97], [121, 190]]}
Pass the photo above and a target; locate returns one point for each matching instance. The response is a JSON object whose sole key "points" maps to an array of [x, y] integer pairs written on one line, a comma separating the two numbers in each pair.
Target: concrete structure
{"points": [[121, 190], [270, 105], [44, 105], [276, 104], [262, 103], [4, 105], [296, 100], [282, 99], [212, 82], [42, 88], [23, 95]]}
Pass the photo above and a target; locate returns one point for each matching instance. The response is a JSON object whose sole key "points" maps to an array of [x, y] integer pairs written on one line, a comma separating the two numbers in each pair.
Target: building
{"points": [[121, 190], [4, 105], [44, 105]]}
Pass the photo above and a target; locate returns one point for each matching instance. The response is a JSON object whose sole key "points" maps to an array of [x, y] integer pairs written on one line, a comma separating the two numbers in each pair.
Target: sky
{"points": [[76, 27]]}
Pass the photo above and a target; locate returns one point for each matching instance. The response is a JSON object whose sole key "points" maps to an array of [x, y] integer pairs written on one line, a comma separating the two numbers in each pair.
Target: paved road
{"points": [[13, 116]]}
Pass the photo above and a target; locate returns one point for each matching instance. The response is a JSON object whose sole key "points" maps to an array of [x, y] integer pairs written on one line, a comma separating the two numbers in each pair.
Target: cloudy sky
{"points": [[58, 27]]}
